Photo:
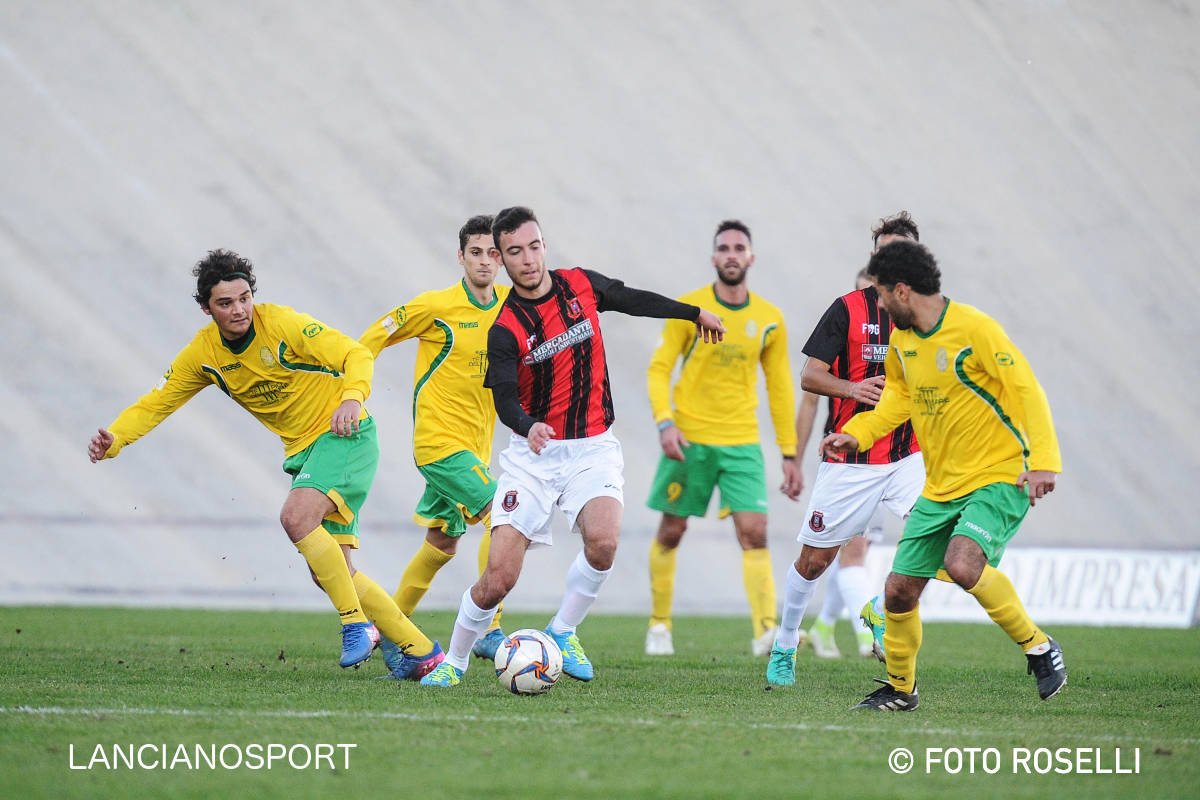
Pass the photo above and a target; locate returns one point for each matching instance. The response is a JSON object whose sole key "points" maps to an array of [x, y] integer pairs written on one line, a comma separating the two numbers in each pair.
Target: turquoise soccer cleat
{"points": [[575, 661], [781, 667], [485, 646], [872, 618], [445, 675]]}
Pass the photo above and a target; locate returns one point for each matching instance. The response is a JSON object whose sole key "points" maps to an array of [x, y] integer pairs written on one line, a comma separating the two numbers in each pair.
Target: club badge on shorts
{"points": [[817, 521], [510, 500]]}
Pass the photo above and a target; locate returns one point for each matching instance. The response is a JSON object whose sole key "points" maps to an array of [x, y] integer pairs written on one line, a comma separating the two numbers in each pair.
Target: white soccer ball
{"points": [[528, 662]]}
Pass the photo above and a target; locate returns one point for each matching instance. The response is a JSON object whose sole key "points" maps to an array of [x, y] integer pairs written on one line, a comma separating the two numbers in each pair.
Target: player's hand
{"points": [[867, 391], [1040, 483], [673, 441], [345, 418], [539, 436], [837, 445], [99, 444], [709, 327], [793, 479]]}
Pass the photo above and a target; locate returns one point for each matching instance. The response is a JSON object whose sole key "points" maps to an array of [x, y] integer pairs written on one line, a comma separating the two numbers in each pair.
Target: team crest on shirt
{"points": [[751, 328], [574, 308], [510, 500], [817, 521], [264, 355], [943, 360]]}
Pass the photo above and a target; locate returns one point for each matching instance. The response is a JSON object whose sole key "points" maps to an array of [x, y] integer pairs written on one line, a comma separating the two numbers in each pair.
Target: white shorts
{"points": [[567, 474], [846, 496]]}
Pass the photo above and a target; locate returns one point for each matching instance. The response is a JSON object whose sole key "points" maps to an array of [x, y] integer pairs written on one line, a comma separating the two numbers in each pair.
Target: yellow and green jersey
{"points": [[978, 411], [716, 397], [452, 411], [289, 371]]}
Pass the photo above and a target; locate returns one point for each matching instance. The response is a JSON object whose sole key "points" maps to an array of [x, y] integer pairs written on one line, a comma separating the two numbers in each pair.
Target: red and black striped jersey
{"points": [[852, 337], [552, 350]]}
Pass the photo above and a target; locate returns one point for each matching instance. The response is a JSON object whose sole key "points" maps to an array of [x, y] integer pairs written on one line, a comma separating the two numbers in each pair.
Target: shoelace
{"points": [[575, 649]]}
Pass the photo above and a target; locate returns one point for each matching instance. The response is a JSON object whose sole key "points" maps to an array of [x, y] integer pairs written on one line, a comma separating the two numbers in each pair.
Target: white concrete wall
{"points": [[1048, 150]]}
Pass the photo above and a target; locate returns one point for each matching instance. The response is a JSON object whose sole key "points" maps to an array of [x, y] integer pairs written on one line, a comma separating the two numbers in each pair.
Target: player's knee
{"points": [[671, 530], [600, 554], [962, 571]]}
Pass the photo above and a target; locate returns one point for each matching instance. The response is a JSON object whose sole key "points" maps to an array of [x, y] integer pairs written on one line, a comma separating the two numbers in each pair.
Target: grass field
{"points": [[700, 724]]}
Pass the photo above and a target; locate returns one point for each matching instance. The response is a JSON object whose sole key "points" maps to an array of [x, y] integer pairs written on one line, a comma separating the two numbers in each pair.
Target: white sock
{"points": [[583, 584], [831, 609], [795, 602], [852, 581], [471, 622]]}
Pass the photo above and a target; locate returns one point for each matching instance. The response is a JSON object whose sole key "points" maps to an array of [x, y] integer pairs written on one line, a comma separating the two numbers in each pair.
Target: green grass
{"points": [[698, 725]]}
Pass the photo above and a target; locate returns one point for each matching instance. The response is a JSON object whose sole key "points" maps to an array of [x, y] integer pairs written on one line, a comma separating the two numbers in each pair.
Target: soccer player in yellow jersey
{"points": [[709, 433], [307, 383], [453, 414], [990, 453]]}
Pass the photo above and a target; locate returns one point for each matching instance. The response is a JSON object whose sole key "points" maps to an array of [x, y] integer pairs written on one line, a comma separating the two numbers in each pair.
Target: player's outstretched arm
{"points": [[99, 445]]}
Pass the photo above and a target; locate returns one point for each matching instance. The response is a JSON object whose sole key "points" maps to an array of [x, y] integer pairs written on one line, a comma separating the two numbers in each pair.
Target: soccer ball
{"points": [[528, 662]]}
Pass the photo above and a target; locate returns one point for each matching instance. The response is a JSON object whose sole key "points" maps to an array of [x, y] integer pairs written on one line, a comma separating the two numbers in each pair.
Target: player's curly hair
{"points": [[480, 223], [899, 225], [906, 261], [509, 219], [732, 225], [220, 265]]}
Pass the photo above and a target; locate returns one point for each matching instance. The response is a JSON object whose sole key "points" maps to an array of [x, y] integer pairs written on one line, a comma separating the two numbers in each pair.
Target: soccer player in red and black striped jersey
{"points": [[846, 353], [549, 381]]}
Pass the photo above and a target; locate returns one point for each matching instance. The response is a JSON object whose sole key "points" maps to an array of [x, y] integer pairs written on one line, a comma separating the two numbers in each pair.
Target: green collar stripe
{"points": [[296, 367], [937, 327], [216, 376], [723, 304], [474, 302], [986, 397], [238, 345], [433, 365]]}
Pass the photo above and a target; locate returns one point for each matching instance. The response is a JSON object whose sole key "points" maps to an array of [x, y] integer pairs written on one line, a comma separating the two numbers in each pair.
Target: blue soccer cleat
{"points": [[872, 619], [485, 646], [575, 661], [445, 674], [405, 667], [358, 640]]}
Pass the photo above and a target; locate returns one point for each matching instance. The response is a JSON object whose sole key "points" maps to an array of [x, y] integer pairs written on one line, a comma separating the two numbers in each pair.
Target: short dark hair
{"points": [[905, 261], [509, 219], [899, 225], [732, 225], [220, 265], [476, 225]]}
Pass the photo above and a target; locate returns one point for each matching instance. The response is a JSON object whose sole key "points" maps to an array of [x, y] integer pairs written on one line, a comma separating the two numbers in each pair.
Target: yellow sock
{"points": [[996, 594], [901, 641], [325, 559], [485, 546], [760, 588], [414, 583], [942, 575], [390, 621], [662, 583]]}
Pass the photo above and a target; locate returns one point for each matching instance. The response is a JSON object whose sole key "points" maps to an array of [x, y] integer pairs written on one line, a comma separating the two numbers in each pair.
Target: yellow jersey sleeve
{"points": [[678, 337], [179, 383], [1030, 416], [313, 341], [781, 392], [401, 323]]}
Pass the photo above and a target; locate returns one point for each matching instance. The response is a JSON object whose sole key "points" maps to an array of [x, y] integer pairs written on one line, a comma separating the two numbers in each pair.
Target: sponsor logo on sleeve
{"points": [[313, 329], [1004, 359]]}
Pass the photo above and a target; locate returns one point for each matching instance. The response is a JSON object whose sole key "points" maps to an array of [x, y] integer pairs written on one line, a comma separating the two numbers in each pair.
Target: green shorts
{"points": [[457, 488], [988, 516], [343, 468], [683, 488]]}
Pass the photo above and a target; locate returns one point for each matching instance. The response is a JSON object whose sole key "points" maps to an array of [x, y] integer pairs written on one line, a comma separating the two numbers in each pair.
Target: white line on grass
{"points": [[562, 720]]}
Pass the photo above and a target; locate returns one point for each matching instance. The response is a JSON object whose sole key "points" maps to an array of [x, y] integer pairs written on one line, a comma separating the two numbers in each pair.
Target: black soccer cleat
{"points": [[887, 698], [1050, 670]]}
